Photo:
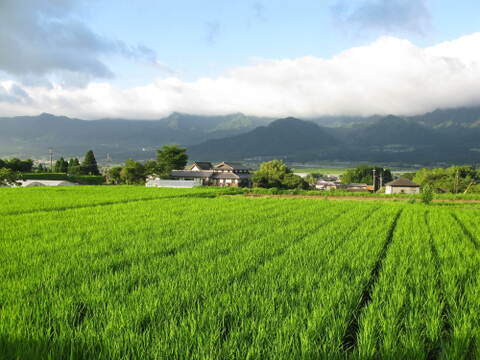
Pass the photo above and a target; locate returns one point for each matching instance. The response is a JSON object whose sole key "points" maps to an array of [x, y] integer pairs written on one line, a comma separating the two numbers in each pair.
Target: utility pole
{"points": [[50, 151], [381, 178], [456, 182], [374, 180]]}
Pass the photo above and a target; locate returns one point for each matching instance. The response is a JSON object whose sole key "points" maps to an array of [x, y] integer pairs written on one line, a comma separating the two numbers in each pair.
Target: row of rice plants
{"points": [[23, 200], [459, 260], [67, 289], [297, 304], [97, 239], [177, 295], [404, 318]]}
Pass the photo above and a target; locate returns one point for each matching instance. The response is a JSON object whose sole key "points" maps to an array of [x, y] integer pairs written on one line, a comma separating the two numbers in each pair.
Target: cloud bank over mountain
{"points": [[390, 75]]}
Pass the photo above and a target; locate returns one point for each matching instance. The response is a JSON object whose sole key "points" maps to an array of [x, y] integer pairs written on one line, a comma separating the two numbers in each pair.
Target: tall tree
{"points": [[73, 166], [171, 157], [61, 165], [89, 164]]}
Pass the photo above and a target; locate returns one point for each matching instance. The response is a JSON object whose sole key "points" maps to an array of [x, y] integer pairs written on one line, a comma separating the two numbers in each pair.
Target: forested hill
{"points": [[442, 136], [387, 139], [279, 139], [31, 136]]}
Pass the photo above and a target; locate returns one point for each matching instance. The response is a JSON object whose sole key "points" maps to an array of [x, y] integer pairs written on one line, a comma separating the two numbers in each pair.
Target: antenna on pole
{"points": [[50, 152]]}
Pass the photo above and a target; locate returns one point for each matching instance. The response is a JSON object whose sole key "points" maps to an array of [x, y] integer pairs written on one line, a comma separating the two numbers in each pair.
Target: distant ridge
{"points": [[279, 139], [440, 137]]}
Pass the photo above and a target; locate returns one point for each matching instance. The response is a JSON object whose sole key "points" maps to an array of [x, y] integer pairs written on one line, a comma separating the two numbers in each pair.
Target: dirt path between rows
{"points": [[359, 198]]}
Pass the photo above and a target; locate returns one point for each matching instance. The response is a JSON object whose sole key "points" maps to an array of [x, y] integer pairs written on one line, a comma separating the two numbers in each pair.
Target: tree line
{"points": [[73, 166], [454, 179], [169, 157]]}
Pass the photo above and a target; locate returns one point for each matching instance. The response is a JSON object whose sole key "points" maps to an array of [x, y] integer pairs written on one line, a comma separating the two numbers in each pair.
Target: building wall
{"points": [[173, 183], [401, 190]]}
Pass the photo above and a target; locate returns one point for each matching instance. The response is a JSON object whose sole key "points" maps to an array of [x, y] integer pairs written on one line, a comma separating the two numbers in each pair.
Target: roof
{"points": [[231, 165], [402, 183], [202, 165], [230, 175], [188, 173]]}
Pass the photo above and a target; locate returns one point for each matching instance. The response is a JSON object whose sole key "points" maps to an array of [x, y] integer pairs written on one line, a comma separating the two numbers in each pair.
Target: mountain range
{"points": [[441, 136]]}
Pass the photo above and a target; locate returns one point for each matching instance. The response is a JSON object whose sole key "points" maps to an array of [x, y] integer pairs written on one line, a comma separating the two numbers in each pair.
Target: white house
{"points": [[224, 174], [402, 186]]}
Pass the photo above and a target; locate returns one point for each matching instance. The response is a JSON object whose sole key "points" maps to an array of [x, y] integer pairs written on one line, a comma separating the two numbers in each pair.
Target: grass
{"points": [[132, 272]]}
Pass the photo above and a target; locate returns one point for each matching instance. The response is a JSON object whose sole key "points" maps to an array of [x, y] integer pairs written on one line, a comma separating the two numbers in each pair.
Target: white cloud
{"points": [[390, 75]]}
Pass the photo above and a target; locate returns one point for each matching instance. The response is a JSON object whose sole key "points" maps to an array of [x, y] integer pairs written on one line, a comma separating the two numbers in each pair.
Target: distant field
{"points": [[339, 171], [332, 171], [142, 273]]}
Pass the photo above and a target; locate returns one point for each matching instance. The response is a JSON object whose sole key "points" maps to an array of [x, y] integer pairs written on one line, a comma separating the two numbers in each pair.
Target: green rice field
{"points": [[143, 273]]}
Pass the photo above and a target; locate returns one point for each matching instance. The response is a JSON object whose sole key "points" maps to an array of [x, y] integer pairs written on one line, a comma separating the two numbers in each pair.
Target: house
{"points": [[327, 185], [402, 186], [223, 174], [355, 187]]}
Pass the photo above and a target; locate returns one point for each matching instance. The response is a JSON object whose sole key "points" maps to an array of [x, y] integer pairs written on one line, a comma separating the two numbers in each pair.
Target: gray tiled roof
{"points": [[230, 175], [188, 173], [203, 165]]}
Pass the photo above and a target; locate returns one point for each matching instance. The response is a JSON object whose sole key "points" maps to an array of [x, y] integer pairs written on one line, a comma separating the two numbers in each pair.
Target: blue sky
{"points": [[203, 38], [146, 58]]}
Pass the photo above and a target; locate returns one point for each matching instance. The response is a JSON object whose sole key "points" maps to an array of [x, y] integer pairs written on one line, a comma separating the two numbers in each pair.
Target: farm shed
{"points": [[30, 183], [402, 186]]}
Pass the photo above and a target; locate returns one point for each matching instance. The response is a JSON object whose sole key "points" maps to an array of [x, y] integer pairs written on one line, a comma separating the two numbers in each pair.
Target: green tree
{"points": [[61, 165], [9, 177], [114, 175], [73, 166], [89, 164], [364, 174], [132, 172], [40, 168], [169, 158], [427, 194], [275, 174], [312, 178], [150, 167], [454, 179], [16, 164]]}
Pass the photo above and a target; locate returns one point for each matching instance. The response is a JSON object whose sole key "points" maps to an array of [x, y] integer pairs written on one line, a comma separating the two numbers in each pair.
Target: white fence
{"points": [[173, 183]]}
